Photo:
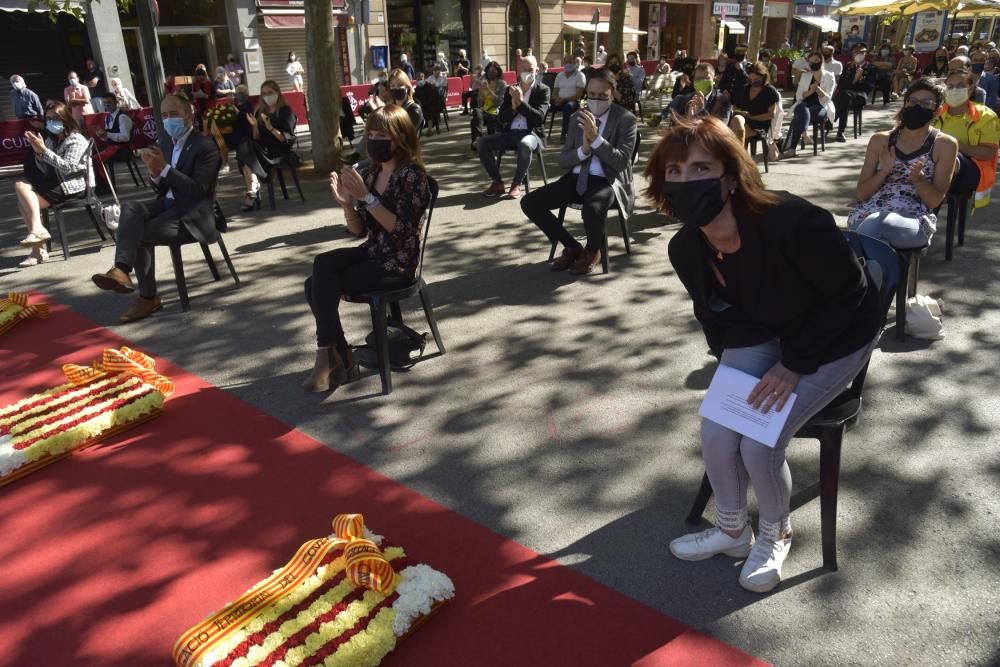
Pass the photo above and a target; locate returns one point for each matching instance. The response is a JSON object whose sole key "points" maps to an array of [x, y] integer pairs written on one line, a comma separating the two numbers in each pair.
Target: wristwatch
{"points": [[371, 200]]}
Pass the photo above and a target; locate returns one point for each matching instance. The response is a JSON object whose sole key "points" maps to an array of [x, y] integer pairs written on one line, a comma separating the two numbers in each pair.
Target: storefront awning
{"points": [[583, 26], [290, 19], [22, 6], [735, 27], [822, 22]]}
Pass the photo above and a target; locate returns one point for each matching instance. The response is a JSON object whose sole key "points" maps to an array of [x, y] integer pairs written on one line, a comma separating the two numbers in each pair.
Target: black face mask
{"points": [[915, 117], [815, 66], [398, 94], [615, 68], [380, 150], [941, 59], [694, 203]]}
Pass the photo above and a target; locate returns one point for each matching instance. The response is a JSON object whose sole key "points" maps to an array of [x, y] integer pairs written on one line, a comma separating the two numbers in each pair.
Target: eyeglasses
{"points": [[598, 97], [926, 104]]}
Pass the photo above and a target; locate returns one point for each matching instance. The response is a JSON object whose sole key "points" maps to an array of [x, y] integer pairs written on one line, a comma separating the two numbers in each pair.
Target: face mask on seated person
{"points": [[54, 126], [703, 86], [569, 69], [598, 107], [978, 68], [380, 150], [956, 97], [527, 77], [859, 58], [915, 117], [175, 127], [815, 66], [694, 203], [270, 100], [398, 94]]}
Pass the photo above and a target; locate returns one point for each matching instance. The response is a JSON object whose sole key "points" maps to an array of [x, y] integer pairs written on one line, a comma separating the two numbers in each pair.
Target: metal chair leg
{"points": [[604, 250], [295, 178], [949, 230], [96, 222], [270, 191], [962, 213], [901, 289], [178, 262]]}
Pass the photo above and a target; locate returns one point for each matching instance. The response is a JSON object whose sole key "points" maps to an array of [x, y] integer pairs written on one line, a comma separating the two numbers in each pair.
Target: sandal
{"points": [[37, 256], [251, 200], [33, 239]]}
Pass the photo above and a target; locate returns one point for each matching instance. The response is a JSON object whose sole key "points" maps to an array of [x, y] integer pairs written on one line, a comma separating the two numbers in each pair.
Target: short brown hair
{"points": [[763, 70], [393, 120], [712, 135], [65, 115]]}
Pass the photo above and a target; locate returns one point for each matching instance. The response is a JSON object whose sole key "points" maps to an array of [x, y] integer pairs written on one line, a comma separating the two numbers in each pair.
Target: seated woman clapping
{"points": [[907, 173], [272, 128], [388, 201]]}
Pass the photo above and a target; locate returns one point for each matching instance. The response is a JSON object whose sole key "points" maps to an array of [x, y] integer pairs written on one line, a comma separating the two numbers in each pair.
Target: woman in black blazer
{"points": [[780, 296]]}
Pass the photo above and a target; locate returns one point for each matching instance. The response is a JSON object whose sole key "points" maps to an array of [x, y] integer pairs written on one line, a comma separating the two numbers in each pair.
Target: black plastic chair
{"points": [[753, 137], [177, 258], [958, 208], [829, 424], [278, 170], [604, 243], [539, 157], [381, 301], [86, 203], [818, 137], [856, 117], [126, 157]]}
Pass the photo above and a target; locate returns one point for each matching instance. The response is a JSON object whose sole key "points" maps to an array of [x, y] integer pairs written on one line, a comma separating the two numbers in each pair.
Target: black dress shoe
{"points": [[840, 138]]}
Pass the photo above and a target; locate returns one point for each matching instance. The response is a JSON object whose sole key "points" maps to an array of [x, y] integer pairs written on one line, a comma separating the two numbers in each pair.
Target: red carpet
{"points": [[109, 555]]}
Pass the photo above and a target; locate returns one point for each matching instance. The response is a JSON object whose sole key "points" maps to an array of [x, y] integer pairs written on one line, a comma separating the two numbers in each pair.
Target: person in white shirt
{"points": [[602, 56], [636, 71], [800, 66], [830, 64], [569, 88], [598, 158], [295, 71], [116, 133], [125, 97]]}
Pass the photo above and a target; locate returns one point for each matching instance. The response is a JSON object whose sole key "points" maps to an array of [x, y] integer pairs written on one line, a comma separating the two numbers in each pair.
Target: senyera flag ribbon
{"points": [[15, 309], [365, 567], [115, 362]]}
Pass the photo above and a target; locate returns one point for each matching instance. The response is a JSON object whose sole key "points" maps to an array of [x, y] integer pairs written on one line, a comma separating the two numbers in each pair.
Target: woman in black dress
{"points": [[272, 128], [755, 106]]}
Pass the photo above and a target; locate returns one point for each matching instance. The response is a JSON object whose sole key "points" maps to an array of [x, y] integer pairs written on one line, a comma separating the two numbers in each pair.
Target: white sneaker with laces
{"points": [[762, 570], [711, 542]]}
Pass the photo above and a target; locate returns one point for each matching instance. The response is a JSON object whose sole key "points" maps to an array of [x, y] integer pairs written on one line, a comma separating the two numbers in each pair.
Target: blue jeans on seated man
{"points": [[522, 141], [805, 115]]}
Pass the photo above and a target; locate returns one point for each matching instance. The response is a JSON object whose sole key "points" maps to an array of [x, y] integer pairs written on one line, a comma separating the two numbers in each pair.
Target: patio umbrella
{"points": [[951, 6]]}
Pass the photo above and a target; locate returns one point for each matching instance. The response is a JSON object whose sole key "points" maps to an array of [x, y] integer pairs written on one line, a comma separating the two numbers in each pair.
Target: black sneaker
{"points": [[841, 139]]}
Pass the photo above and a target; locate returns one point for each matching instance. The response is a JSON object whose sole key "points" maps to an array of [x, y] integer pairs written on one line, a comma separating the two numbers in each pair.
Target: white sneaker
{"points": [[711, 542], [762, 569]]}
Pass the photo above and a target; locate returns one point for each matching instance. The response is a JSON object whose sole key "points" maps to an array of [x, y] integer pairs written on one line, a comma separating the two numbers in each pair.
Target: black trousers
{"points": [[966, 177], [884, 83], [482, 123], [846, 101], [598, 198], [155, 221], [339, 272]]}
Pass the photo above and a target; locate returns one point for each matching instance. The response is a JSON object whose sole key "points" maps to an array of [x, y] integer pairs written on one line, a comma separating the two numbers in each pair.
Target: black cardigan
{"points": [[800, 283]]}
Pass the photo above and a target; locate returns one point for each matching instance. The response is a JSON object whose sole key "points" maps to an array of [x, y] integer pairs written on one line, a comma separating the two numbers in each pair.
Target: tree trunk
{"points": [[616, 28], [756, 28], [324, 86]]}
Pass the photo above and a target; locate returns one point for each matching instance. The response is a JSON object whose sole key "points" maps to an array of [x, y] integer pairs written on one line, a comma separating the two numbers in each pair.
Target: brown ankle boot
{"points": [[328, 372]]}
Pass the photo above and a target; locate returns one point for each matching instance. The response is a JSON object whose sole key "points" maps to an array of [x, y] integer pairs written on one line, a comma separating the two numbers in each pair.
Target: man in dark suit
{"points": [[521, 121], [598, 155], [184, 174], [852, 90]]}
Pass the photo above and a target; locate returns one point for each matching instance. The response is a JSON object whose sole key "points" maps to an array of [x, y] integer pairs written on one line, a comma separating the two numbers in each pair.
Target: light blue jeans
{"points": [[898, 231], [732, 460]]}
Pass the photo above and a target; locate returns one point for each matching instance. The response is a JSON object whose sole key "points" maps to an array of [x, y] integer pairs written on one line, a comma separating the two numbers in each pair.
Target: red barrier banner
{"points": [[13, 144]]}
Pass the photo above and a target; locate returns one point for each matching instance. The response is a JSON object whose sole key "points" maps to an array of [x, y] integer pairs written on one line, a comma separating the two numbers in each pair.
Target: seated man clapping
{"points": [[598, 154], [184, 173], [521, 118]]}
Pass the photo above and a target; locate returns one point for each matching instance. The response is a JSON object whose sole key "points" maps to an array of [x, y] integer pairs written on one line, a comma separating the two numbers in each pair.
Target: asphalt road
{"points": [[564, 412]]}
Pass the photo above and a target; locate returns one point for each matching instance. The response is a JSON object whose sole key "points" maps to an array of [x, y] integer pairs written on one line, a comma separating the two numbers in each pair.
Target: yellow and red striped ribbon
{"points": [[364, 564], [20, 300], [365, 567], [115, 362]]}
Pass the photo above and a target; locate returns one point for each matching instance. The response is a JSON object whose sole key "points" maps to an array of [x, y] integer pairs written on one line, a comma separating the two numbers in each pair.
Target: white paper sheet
{"points": [[726, 404]]}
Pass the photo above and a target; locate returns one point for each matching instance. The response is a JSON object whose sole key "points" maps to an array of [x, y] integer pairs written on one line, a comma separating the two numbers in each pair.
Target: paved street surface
{"points": [[564, 412]]}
